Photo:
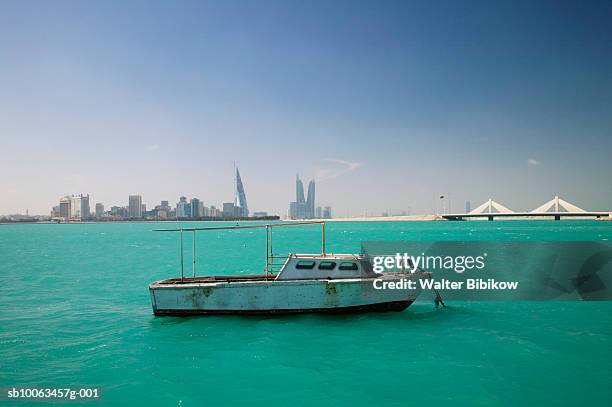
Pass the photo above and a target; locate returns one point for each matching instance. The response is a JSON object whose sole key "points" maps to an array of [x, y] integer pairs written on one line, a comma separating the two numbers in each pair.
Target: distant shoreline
{"points": [[50, 222], [399, 218]]}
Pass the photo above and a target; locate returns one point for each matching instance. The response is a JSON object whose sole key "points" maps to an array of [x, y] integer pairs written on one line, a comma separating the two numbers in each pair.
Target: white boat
{"points": [[325, 282]]}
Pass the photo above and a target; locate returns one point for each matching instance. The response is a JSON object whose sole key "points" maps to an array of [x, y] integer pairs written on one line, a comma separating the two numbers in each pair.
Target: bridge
{"points": [[555, 208]]}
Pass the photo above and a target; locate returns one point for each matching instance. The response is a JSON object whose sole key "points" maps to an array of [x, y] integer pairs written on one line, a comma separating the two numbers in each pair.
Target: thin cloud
{"points": [[153, 147], [342, 167], [533, 161]]}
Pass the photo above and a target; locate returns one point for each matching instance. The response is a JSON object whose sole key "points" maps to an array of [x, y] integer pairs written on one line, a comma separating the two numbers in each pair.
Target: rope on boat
{"points": [[438, 300]]}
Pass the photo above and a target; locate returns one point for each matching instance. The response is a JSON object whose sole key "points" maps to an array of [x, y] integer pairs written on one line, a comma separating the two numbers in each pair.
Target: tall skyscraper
{"points": [[135, 207], [299, 190], [194, 204], [310, 201], [468, 206], [240, 194], [302, 208]]}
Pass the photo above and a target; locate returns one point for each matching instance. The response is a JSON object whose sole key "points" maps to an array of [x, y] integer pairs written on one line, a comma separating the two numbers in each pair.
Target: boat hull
{"points": [[280, 297], [380, 307]]}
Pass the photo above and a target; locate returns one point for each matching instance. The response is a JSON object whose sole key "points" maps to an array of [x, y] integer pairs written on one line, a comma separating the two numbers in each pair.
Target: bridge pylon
{"points": [[488, 207], [556, 204]]}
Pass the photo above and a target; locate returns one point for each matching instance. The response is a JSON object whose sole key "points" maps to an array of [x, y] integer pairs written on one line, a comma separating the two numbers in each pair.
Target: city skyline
{"points": [[386, 106], [76, 207]]}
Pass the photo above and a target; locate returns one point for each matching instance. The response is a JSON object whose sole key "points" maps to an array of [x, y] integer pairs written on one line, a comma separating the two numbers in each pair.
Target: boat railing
{"points": [[274, 261], [277, 261]]}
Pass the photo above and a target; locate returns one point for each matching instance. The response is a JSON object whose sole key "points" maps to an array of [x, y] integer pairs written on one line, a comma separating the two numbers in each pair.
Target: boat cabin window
{"points": [[327, 265], [305, 264], [348, 265]]}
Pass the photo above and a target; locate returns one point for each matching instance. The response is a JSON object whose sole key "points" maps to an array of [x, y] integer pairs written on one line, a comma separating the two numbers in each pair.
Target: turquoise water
{"points": [[75, 310]]}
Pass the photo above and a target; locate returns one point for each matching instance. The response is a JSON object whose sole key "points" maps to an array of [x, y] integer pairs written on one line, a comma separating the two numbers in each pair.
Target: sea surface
{"points": [[75, 310]]}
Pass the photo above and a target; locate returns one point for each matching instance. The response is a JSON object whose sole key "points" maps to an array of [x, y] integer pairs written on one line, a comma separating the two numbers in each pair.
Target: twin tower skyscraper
{"points": [[303, 208]]}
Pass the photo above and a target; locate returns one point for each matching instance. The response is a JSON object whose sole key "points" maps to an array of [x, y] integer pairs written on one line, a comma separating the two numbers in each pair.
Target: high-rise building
{"points": [[468, 206], [229, 210], [135, 207], [241, 197], [318, 212], [99, 210], [65, 207], [303, 208], [299, 190], [183, 209], [194, 206], [79, 207], [310, 201]]}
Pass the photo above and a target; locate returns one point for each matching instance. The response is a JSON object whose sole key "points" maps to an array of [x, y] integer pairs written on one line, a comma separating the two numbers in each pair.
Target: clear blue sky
{"points": [[387, 104]]}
